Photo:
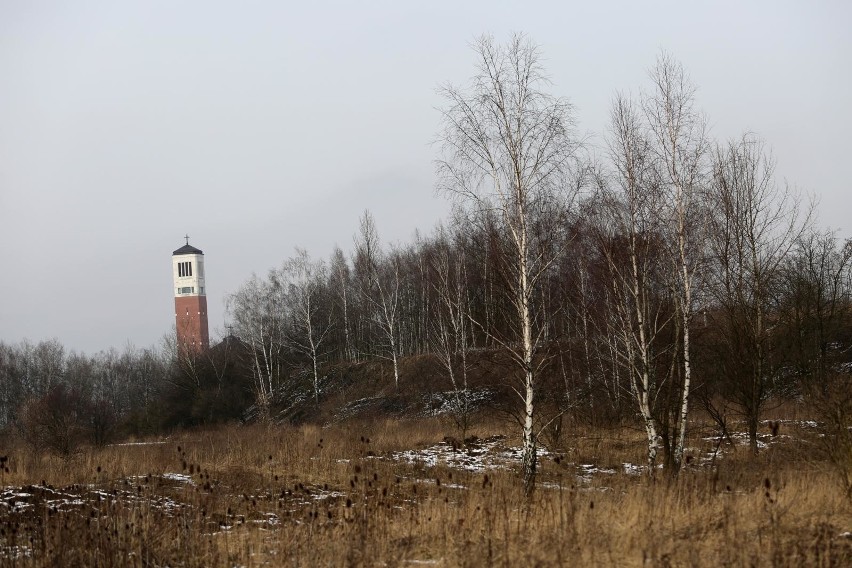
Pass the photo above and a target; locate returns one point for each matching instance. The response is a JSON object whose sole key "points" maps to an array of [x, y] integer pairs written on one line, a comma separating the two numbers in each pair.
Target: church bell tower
{"points": [[190, 298]]}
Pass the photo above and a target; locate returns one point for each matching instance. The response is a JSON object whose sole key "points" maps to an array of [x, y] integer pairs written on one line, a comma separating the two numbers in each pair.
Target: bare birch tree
{"points": [[679, 144], [310, 326], [341, 283], [256, 309], [631, 207], [380, 288], [508, 149]]}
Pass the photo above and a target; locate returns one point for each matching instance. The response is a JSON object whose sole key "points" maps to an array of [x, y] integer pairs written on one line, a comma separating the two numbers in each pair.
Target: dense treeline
{"points": [[39, 382], [666, 272], [58, 400]]}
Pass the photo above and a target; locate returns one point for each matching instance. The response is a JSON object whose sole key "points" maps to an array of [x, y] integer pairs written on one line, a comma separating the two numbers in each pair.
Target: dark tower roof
{"points": [[187, 249]]}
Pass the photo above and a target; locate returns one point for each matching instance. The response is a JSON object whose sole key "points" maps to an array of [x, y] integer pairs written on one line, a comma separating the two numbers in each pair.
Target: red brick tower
{"points": [[190, 298]]}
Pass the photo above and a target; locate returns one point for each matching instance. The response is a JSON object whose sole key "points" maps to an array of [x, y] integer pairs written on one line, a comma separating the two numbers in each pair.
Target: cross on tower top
{"points": [[187, 238]]}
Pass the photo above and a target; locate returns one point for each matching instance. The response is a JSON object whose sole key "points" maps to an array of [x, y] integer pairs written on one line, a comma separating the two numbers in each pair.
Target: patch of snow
{"points": [[327, 495], [14, 552], [453, 401], [476, 457], [587, 471], [271, 519], [180, 477], [444, 484], [75, 502], [633, 469]]}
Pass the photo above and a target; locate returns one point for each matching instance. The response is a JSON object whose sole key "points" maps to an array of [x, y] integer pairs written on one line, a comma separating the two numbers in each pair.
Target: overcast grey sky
{"points": [[259, 126]]}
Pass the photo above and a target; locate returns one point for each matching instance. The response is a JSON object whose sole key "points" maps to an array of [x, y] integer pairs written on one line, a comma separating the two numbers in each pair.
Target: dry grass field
{"points": [[393, 493]]}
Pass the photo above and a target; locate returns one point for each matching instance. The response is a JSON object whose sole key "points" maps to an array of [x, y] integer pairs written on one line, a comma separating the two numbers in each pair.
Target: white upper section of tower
{"points": [[188, 271]]}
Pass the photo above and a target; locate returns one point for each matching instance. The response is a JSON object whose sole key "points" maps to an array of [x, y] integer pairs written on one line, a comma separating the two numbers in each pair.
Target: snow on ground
{"points": [[633, 469], [15, 552], [169, 492], [180, 477], [491, 454], [478, 456], [451, 402], [720, 445]]}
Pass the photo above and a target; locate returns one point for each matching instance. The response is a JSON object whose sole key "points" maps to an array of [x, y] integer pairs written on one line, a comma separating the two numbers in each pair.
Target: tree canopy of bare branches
{"points": [[509, 150]]}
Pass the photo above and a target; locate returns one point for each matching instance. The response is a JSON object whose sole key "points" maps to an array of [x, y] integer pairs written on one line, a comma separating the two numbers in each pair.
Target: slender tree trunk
{"points": [[524, 294], [348, 350], [687, 369]]}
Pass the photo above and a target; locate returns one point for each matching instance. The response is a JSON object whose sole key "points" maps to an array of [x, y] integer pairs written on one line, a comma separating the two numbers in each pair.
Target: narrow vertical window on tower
{"points": [[184, 269]]}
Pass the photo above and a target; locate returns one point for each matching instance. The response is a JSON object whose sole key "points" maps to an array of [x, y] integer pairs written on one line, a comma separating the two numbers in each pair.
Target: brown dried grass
{"points": [[781, 508]]}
